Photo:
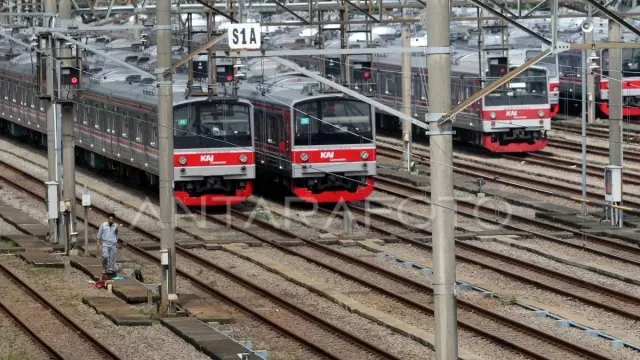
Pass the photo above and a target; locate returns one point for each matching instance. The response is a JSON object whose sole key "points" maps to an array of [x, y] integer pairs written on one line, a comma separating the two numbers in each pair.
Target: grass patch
{"points": [[16, 356]]}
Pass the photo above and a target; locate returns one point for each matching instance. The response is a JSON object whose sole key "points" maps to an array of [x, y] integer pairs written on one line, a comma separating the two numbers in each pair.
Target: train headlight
{"points": [[182, 160], [541, 113], [556, 89], [243, 158], [364, 155], [493, 115], [304, 157]]}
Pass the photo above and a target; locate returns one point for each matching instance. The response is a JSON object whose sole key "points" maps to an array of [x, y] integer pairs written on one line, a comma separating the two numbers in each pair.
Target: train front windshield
{"points": [[548, 62], [529, 88], [630, 62], [207, 125], [333, 121]]}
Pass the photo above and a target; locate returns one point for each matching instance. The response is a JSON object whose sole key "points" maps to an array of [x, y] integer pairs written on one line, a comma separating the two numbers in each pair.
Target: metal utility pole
{"points": [[584, 125], [591, 105], [165, 153], [406, 94], [615, 101], [68, 153], [440, 139], [344, 44], [52, 161]]}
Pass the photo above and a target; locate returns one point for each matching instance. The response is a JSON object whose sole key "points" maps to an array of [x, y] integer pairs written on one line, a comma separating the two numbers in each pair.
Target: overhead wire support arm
{"points": [[195, 52], [611, 15], [494, 2], [394, 112], [212, 8], [366, 13], [535, 8], [493, 86], [513, 22], [96, 51], [283, 6]]}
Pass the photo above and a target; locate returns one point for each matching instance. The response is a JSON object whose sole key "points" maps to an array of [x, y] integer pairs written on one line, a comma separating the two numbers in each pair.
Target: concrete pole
{"points": [[406, 95], [165, 149], [584, 126], [52, 162], [443, 214], [68, 151], [615, 100]]}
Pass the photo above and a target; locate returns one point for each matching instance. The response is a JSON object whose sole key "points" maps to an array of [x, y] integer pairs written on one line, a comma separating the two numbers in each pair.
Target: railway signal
{"points": [[224, 74]]}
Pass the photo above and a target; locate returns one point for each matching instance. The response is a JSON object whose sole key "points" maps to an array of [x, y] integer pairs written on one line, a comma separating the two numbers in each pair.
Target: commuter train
{"points": [[572, 71], [116, 129], [317, 144], [514, 118]]}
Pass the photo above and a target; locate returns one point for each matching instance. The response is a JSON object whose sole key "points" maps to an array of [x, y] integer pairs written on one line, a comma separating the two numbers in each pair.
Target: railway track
{"points": [[303, 326], [614, 249], [524, 182], [58, 335], [610, 300], [491, 325], [527, 340], [574, 146]]}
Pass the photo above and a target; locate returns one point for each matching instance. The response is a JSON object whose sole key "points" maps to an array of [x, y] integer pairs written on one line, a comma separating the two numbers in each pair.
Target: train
{"points": [[512, 119], [316, 143], [572, 72], [221, 144], [116, 129]]}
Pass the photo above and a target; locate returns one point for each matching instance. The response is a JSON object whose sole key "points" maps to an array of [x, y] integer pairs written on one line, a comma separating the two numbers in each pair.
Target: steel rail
{"points": [[518, 181], [466, 306], [471, 308], [327, 326], [18, 321], [567, 280], [58, 312]]}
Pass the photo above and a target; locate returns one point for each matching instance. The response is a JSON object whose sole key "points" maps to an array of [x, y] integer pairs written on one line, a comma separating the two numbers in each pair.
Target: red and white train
{"points": [[116, 130], [572, 72], [319, 146], [514, 118]]}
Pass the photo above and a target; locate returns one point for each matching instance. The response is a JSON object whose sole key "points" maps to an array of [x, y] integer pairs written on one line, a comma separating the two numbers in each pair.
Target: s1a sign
{"points": [[244, 36]]}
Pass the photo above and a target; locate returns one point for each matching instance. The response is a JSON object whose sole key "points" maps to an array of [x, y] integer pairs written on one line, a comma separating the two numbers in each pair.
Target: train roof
{"points": [[143, 94], [284, 97]]}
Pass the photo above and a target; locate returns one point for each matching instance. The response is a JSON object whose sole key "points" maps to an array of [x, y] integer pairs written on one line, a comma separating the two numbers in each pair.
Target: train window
{"points": [[108, 119], [332, 121], [97, 123], [139, 129], [210, 124], [273, 124]]}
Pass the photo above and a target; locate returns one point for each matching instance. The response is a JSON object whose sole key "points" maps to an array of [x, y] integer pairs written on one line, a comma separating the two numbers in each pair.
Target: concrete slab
{"points": [[116, 310], [32, 243], [132, 291], [402, 176], [575, 221], [346, 302], [148, 245], [290, 242], [203, 309], [41, 259], [10, 248], [206, 339], [190, 244]]}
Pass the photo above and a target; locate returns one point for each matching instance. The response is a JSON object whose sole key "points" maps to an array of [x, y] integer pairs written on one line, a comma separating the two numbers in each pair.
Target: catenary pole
{"points": [[591, 109], [406, 94], [615, 101], [52, 161], [440, 139], [585, 98], [68, 152], [165, 150]]}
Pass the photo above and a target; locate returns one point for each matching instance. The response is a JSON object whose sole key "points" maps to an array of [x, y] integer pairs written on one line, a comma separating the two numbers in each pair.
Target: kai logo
{"points": [[326, 155], [206, 158], [513, 113]]}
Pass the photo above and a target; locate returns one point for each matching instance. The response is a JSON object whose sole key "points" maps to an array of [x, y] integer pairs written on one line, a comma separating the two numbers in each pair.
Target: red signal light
{"points": [[229, 78], [74, 80], [367, 74], [503, 70]]}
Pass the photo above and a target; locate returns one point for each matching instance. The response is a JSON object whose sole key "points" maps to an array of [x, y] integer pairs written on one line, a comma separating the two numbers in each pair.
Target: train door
{"points": [[260, 136], [125, 136], [153, 142], [109, 131], [5, 99], [88, 112], [137, 135], [98, 129]]}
